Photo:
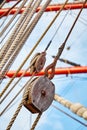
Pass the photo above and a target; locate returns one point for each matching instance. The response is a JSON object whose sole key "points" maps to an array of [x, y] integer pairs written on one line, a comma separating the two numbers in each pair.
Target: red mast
{"points": [[58, 71], [55, 7]]}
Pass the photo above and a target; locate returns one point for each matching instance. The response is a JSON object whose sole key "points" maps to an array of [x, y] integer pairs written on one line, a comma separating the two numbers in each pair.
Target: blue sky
{"points": [[72, 87]]}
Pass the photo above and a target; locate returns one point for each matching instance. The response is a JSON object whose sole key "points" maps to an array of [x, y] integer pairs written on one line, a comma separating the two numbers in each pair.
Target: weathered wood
{"points": [[40, 95]]}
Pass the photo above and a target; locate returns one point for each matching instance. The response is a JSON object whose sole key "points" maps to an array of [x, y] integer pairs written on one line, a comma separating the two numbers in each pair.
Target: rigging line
{"points": [[33, 25], [56, 31], [19, 36], [8, 32], [14, 116], [83, 19], [19, 108], [4, 29], [79, 36], [67, 61], [11, 105], [13, 34], [52, 21], [30, 120], [1, 1], [15, 97], [70, 116], [80, 20], [60, 49], [8, 12], [2, 4], [30, 52], [75, 21], [13, 17], [12, 86], [34, 46], [7, 45], [20, 48], [49, 25], [36, 121]]}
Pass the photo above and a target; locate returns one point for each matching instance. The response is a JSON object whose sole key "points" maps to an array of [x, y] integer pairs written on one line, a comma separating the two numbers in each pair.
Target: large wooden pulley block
{"points": [[40, 96]]}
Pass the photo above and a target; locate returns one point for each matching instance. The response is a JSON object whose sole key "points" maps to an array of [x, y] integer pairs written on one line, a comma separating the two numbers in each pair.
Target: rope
{"points": [[56, 31], [14, 116], [12, 36], [60, 49], [7, 46], [19, 36], [19, 107], [8, 12], [2, 4], [12, 99], [11, 20], [12, 86], [36, 121], [33, 48], [49, 24], [8, 32], [24, 38], [16, 94], [75, 21], [76, 108], [70, 116]]}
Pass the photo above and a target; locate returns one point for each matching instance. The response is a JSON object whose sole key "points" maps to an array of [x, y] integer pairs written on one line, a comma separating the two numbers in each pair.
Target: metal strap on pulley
{"points": [[40, 95]]}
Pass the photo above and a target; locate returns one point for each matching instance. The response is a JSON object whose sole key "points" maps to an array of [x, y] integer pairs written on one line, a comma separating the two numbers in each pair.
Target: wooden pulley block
{"points": [[33, 60], [37, 63], [40, 96], [40, 62]]}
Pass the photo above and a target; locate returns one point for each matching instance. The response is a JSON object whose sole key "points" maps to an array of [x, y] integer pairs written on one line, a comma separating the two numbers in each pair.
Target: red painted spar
{"points": [[54, 7], [58, 71]]}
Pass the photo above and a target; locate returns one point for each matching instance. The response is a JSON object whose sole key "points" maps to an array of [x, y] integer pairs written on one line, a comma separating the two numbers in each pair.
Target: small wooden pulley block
{"points": [[37, 63], [40, 96]]}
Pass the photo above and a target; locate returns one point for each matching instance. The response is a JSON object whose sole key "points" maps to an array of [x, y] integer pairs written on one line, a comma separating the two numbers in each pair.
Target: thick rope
{"points": [[8, 12], [34, 46], [2, 4], [26, 34], [76, 108], [36, 121], [19, 36], [49, 25], [84, 124], [12, 86], [60, 49], [37, 4], [7, 15], [11, 20], [14, 116], [12, 36], [29, 31], [20, 106], [13, 98]]}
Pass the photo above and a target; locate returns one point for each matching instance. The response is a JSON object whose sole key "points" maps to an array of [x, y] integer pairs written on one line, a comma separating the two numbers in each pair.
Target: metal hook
{"points": [[52, 68]]}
